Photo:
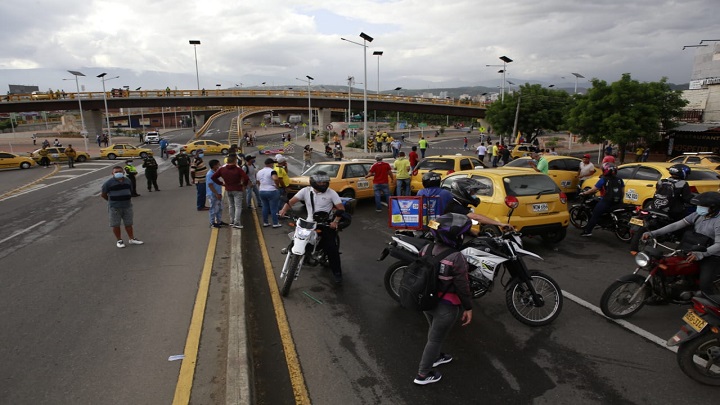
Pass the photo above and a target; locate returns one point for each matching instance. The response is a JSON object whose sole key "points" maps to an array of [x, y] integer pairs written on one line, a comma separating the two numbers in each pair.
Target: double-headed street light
{"points": [[505, 60], [107, 114], [82, 119], [378, 54], [309, 79], [366, 38], [577, 75], [351, 80]]}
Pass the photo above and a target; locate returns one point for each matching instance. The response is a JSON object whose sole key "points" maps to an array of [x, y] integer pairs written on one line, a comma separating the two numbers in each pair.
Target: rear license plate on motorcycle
{"points": [[637, 221], [694, 321], [540, 207]]}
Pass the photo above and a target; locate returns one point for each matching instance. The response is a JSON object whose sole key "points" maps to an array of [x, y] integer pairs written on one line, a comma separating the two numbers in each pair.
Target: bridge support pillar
{"points": [[324, 119], [93, 122]]}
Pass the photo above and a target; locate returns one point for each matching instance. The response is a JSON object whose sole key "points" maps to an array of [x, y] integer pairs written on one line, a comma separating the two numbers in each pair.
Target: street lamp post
{"points": [[350, 80], [107, 114], [142, 116], [195, 43], [309, 79], [397, 120], [577, 75], [366, 38], [127, 89], [505, 61], [378, 54], [82, 119]]}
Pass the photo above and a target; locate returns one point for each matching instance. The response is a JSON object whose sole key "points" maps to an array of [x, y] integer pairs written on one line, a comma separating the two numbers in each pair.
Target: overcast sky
{"points": [[426, 43]]}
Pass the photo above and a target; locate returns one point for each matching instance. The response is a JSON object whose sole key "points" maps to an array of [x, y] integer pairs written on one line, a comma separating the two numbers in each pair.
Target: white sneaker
{"points": [[135, 242], [120, 244], [237, 226]]}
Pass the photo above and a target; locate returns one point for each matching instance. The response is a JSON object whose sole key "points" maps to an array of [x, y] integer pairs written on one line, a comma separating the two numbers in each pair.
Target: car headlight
{"points": [[642, 259]]}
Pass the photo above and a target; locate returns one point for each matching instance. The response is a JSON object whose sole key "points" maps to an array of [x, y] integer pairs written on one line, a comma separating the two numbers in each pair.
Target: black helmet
{"points": [[679, 171], [464, 190], [320, 177], [450, 228], [431, 179], [710, 199]]}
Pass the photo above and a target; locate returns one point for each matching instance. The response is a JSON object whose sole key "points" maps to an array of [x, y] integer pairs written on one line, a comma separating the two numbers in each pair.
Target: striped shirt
{"points": [[119, 193]]}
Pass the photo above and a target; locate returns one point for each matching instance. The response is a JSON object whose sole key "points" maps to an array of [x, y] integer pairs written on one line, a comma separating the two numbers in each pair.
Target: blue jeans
{"points": [[215, 209], [249, 193], [270, 204], [440, 319], [381, 189], [201, 197], [403, 187], [235, 199]]}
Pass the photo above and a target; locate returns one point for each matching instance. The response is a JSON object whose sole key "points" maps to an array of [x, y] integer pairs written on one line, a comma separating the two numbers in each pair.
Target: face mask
{"points": [[702, 210], [118, 175]]}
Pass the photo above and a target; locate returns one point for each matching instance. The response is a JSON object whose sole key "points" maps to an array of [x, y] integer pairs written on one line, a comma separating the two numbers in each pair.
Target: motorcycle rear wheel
{"points": [[579, 216], [393, 276], [622, 230], [519, 300], [696, 362], [615, 302], [293, 265]]}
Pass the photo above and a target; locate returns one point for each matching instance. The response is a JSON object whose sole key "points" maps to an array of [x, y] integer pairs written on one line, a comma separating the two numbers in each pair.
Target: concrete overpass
{"points": [[224, 99]]}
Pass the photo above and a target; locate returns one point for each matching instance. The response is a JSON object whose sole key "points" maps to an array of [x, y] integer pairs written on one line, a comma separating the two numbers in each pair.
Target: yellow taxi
{"points": [[529, 201], [57, 154], [443, 164], [640, 180], [12, 161], [209, 147], [704, 159], [347, 177], [123, 150], [561, 169], [520, 150]]}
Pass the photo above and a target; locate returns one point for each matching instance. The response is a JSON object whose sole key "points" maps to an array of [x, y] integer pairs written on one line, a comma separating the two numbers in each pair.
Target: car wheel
{"points": [[349, 193], [25, 165], [143, 155], [81, 158], [224, 151], [111, 156]]}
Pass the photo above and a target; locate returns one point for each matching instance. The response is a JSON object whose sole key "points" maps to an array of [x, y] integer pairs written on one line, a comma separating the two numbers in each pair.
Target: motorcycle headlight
{"points": [[302, 233], [642, 259]]}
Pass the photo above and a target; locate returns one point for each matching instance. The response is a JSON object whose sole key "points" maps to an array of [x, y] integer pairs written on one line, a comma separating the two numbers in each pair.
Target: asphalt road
{"points": [[357, 346]]}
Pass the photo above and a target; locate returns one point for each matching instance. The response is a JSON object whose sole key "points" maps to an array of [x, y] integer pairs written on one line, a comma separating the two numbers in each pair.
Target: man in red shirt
{"points": [[382, 173], [413, 157], [234, 180], [608, 158]]}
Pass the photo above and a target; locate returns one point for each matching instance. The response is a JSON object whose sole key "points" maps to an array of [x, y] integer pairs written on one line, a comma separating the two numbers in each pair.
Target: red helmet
{"points": [[609, 169]]}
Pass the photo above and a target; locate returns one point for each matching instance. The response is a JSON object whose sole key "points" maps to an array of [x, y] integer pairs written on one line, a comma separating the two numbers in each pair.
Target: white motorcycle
{"points": [[532, 297]]}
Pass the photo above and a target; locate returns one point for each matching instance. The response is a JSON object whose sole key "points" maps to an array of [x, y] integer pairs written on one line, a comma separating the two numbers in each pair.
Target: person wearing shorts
{"points": [[117, 191]]}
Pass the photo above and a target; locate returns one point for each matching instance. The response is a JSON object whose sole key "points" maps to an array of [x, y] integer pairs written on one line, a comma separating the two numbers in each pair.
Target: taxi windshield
{"points": [[330, 169], [529, 185], [436, 164]]}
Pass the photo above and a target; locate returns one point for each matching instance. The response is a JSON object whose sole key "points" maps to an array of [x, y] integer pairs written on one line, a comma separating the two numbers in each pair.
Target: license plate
{"points": [[637, 221], [694, 321], [540, 207]]}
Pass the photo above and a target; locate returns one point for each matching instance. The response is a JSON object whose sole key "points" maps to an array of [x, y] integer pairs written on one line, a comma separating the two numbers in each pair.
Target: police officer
{"points": [[131, 172]]}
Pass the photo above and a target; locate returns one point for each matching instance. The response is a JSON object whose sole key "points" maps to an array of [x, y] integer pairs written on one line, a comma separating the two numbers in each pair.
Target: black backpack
{"points": [[419, 287], [614, 190], [664, 195]]}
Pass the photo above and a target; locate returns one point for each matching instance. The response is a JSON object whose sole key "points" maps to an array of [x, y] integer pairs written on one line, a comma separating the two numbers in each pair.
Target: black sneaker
{"points": [[444, 358], [432, 377]]}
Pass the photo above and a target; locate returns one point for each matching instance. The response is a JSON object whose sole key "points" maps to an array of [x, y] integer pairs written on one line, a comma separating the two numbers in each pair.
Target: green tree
{"points": [[540, 109], [625, 111]]}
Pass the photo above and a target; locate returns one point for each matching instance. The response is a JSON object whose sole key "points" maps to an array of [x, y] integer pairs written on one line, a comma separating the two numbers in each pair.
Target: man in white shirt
{"points": [[587, 169], [481, 151], [319, 198]]}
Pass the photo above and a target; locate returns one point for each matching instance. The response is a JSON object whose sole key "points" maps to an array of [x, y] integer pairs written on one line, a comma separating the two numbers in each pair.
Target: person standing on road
{"points": [[423, 145], [505, 154], [495, 154], [383, 175], [117, 191], [453, 288], [234, 179], [34, 139], [44, 159], [198, 171], [151, 172], [402, 170], [182, 163], [214, 193], [131, 173], [269, 185], [587, 169], [413, 158], [98, 139], [71, 155], [481, 151], [465, 143], [163, 149], [281, 170], [307, 157], [252, 187]]}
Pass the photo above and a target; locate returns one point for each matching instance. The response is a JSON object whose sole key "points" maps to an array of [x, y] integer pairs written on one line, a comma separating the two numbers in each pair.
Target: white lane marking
{"points": [[22, 231], [625, 324]]}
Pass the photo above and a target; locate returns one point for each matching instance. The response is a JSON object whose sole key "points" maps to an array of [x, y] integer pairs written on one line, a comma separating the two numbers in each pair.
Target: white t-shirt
{"points": [[481, 150], [586, 170], [264, 176], [324, 202]]}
